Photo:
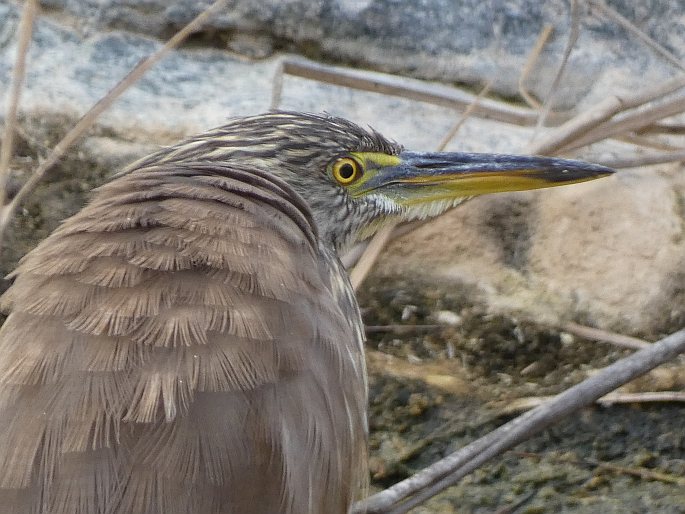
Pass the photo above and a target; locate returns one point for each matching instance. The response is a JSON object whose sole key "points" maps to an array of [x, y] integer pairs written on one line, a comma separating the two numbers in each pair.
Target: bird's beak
{"points": [[416, 178]]}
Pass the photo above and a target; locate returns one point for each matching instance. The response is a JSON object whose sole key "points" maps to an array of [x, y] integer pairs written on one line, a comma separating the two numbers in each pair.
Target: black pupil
{"points": [[346, 170]]}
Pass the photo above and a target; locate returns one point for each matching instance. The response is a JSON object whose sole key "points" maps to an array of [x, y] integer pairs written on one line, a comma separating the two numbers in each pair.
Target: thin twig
{"points": [[465, 115], [103, 104], [510, 509], [645, 160], [649, 474], [664, 128], [600, 112], [586, 128], [430, 481], [352, 256], [398, 329], [378, 242], [366, 261], [597, 334], [570, 43], [411, 89], [648, 142], [530, 63], [25, 31], [630, 122], [277, 88], [529, 402], [643, 397], [641, 35]]}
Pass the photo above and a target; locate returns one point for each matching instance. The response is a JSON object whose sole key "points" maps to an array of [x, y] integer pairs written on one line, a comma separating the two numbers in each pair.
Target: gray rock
{"points": [[470, 41]]}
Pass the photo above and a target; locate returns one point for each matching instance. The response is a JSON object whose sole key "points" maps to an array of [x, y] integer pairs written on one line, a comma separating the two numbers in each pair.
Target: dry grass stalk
{"points": [[465, 116], [664, 128], [570, 43], [352, 256], [411, 89], [516, 506], [28, 16], [629, 122], [641, 472], [398, 329], [586, 128], [277, 88], [612, 14], [646, 160], [533, 57], [102, 105], [647, 142], [648, 474], [574, 129], [643, 397], [596, 334], [368, 258], [524, 404]]}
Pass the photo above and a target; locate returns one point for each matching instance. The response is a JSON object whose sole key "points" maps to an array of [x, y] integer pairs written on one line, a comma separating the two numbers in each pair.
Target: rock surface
{"points": [[610, 253], [467, 42]]}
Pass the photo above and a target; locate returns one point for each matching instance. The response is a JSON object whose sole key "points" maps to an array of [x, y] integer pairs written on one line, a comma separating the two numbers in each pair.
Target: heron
{"points": [[189, 341]]}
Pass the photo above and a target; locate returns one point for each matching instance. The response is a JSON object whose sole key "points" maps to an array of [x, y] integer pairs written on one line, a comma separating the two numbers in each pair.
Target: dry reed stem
{"points": [[642, 397], [580, 125], [677, 129], [368, 258], [570, 43], [465, 116], [634, 471], [399, 329], [103, 104], [25, 30], [533, 57], [277, 87], [629, 123], [574, 133], [428, 482], [530, 402], [647, 142], [611, 13], [646, 160], [649, 474], [352, 256], [596, 334], [411, 89]]}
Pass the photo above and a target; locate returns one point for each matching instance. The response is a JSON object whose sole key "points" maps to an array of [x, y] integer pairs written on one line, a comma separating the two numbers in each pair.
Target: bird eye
{"points": [[346, 170]]}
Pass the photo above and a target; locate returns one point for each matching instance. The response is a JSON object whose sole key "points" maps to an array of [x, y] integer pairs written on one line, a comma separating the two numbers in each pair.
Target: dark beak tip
{"points": [[577, 173], [593, 171]]}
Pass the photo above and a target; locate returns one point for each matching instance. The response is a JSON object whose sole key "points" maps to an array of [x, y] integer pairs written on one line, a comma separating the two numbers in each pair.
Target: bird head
{"points": [[354, 180]]}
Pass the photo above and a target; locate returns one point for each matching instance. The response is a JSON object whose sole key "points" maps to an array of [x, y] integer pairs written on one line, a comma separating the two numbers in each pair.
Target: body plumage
{"points": [[189, 341]]}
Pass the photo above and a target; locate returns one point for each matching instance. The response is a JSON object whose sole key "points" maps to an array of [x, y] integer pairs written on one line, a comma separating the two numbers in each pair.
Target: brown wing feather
{"points": [[179, 346]]}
